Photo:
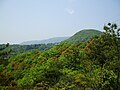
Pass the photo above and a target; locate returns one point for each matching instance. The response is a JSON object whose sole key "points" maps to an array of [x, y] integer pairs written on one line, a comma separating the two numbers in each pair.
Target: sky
{"points": [[25, 20]]}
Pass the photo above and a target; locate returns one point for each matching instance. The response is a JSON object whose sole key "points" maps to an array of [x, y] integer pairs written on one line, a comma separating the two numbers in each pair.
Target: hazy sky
{"points": [[24, 20]]}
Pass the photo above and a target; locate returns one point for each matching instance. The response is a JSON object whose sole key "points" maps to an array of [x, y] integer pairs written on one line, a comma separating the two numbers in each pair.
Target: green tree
{"points": [[112, 29], [4, 55], [104, 50]]}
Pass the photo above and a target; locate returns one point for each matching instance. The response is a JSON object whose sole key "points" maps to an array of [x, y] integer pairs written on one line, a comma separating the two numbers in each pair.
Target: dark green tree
{"points": [[4, 55], [113, 30], [105, 52]]}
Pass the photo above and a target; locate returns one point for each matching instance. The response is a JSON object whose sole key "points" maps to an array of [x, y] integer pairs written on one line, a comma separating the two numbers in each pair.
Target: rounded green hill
{"points": [[83, 36]]}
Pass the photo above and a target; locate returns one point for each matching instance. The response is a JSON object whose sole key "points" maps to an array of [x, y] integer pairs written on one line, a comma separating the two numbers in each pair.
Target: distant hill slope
{"points": [[83, 36], [46, 41]]}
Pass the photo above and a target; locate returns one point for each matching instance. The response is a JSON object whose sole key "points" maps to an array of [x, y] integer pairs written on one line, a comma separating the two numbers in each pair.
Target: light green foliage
{"points": [[71, 57], [102, 49]]}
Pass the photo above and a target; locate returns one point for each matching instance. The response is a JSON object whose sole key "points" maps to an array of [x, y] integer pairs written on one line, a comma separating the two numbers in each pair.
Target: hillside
{"points": [[83, 36], [85, 66], [46, 41]]}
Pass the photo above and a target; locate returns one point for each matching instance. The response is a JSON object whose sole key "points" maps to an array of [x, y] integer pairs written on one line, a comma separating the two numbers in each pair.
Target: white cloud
{"points": [[70, 11]]}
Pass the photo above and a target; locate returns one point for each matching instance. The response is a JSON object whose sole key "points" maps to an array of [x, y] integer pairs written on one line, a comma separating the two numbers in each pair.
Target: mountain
{"points": [[83, 36], [46, 41]]}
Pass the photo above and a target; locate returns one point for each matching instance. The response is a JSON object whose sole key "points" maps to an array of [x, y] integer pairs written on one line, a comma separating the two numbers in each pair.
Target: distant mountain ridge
{"points": [[45, 41], [83, 36]]}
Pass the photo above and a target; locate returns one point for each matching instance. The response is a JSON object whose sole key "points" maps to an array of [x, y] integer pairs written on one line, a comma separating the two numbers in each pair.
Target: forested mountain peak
{"points": [[83, 36]]}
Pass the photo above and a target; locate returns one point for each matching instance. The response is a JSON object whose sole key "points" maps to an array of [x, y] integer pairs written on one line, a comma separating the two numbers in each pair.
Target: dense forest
{"points": [[92, 63], [17, 49]]}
